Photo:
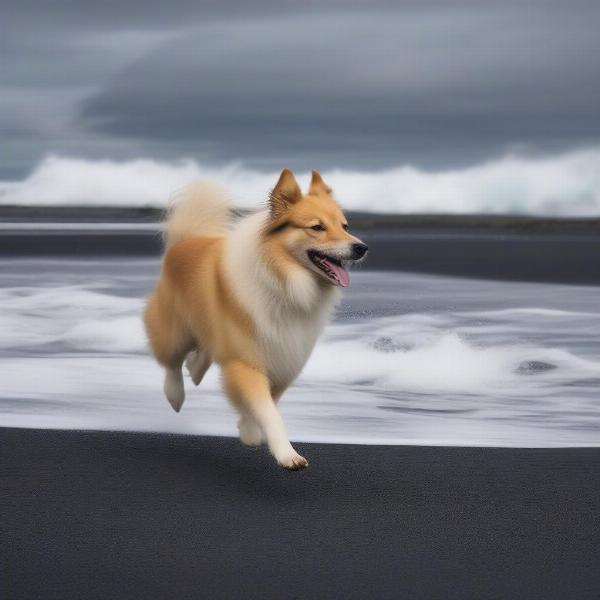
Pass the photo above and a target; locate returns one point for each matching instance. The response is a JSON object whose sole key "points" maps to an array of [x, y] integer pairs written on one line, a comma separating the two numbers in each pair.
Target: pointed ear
{"points": [[286, 192], [317, 185]]}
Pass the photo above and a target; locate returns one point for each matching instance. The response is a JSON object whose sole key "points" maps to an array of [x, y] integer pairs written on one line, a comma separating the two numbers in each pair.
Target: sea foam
{"points": [[566, 184], [490, 367], [414, 351]]}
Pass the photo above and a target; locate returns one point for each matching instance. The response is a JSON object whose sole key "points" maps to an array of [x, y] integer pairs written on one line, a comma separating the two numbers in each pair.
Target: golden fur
{"points": [[248, 298]]}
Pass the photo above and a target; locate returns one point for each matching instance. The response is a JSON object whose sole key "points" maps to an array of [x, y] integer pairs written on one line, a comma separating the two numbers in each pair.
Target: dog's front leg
{"points": [[249, 391], [251, 434]]}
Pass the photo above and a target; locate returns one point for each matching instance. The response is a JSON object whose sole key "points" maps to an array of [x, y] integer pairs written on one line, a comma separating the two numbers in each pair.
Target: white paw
{"points": [[197, 364], [250, 433], [174, 390], [293, 462]]}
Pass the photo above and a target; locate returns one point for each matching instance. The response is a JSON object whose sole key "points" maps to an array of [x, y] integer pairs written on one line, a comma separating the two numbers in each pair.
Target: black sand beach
{"points": [[120, 515], [133, 515], [510, 248]]}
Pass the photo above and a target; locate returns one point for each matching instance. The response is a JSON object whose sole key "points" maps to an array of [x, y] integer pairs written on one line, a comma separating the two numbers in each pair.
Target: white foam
{"points": [[123, 334], [443, 362], [567, 184], [76, 357], [418, 352], [82, 319], [534, 312]]}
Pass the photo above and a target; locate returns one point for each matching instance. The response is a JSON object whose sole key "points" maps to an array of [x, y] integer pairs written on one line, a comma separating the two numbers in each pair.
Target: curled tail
{"points": [[201, 209]]}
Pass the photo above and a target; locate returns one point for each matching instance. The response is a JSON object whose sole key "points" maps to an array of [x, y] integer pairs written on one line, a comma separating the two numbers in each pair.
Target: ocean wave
{"points": [[411, 352], [533, 312], [566, 184], [75, 355], [442, 361], [71, 318]]}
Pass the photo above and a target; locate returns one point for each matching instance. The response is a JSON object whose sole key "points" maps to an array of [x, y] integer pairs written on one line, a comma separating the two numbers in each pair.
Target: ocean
{"points": [[408, 359]]}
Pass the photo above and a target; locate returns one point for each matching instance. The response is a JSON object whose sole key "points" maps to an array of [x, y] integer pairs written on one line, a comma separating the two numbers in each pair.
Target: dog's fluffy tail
{"points": [[201, 209]]}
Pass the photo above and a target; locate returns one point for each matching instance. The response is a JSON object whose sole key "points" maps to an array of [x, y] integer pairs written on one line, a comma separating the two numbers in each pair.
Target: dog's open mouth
{"points": [[331, 267]]}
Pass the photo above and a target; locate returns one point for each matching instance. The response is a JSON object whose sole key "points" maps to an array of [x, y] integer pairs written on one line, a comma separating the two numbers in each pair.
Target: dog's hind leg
{"points": [[197, 363], [174, 390], [170, 341]]}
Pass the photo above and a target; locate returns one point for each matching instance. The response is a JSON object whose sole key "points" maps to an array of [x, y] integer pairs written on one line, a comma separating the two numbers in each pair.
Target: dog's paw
{"points": [[250, 433], [293, 462], [197, 363], [174, 390]]}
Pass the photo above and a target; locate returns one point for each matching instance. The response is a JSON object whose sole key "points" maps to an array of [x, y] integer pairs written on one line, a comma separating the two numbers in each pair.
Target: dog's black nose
{"points": [[359, 250]]}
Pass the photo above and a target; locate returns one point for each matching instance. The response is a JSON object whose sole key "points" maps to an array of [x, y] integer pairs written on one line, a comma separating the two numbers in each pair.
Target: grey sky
{"points": [[345, 84]]}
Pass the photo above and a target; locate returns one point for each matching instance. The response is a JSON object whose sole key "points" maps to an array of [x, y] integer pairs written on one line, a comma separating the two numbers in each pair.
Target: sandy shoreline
{"points": [[511, 256], [501, 247], [97, 515]]}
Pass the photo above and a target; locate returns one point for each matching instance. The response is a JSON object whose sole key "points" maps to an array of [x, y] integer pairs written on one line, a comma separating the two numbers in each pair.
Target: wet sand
{"points": [[124, 515], [552, 253]]}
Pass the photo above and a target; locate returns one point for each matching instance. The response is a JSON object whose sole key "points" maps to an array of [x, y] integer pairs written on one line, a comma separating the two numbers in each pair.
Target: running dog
{"points": [[252, 297]]}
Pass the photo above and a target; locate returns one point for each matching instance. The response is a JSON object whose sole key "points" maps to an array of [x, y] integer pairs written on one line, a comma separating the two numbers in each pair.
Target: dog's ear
{"points": [[317, 185], [286, 192]]}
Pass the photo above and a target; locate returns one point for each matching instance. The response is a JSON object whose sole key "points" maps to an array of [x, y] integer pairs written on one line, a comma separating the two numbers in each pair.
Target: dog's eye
{"points": [[345, 226], [318, 227]]}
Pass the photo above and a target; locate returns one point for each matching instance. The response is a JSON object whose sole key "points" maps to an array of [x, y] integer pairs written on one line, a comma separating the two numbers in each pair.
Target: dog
{"points": [[251, 297]]}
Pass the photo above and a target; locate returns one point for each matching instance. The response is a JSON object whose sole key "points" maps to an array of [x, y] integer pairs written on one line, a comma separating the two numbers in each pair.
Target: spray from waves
{"points": [[567, 184], [75, 356], [71, 318], [421, 353], [445, 363]]}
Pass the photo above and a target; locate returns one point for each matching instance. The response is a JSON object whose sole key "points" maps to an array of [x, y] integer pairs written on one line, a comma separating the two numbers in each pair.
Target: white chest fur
{"points": [[288, 341], [288, 317]]}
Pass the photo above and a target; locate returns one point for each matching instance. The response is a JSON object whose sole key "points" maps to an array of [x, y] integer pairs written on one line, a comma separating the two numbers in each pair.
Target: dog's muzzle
{"points": [[359, 250]]}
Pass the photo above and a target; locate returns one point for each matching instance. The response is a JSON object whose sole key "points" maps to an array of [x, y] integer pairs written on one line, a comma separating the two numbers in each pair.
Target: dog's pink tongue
{"points": [[341, 274]]}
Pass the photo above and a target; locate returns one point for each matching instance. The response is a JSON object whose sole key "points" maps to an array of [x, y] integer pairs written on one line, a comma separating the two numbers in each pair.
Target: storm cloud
{"points": [[373, 85]]}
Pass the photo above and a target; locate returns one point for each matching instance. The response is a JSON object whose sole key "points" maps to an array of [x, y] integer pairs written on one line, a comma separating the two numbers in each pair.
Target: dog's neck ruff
{"points": [[258, 288], [288, 313]]}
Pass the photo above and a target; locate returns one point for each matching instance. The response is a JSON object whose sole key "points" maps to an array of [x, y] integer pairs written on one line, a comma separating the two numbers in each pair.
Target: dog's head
{"points": [[311, 230]]}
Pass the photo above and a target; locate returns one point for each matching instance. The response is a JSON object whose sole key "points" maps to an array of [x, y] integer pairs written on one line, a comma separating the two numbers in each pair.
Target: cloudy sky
{"points": [[331, 84]]}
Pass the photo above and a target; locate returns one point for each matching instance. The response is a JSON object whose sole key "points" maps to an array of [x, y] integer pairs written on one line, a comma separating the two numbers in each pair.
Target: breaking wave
{"points": [[563, 185], [411, 352], [73, 354]]}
